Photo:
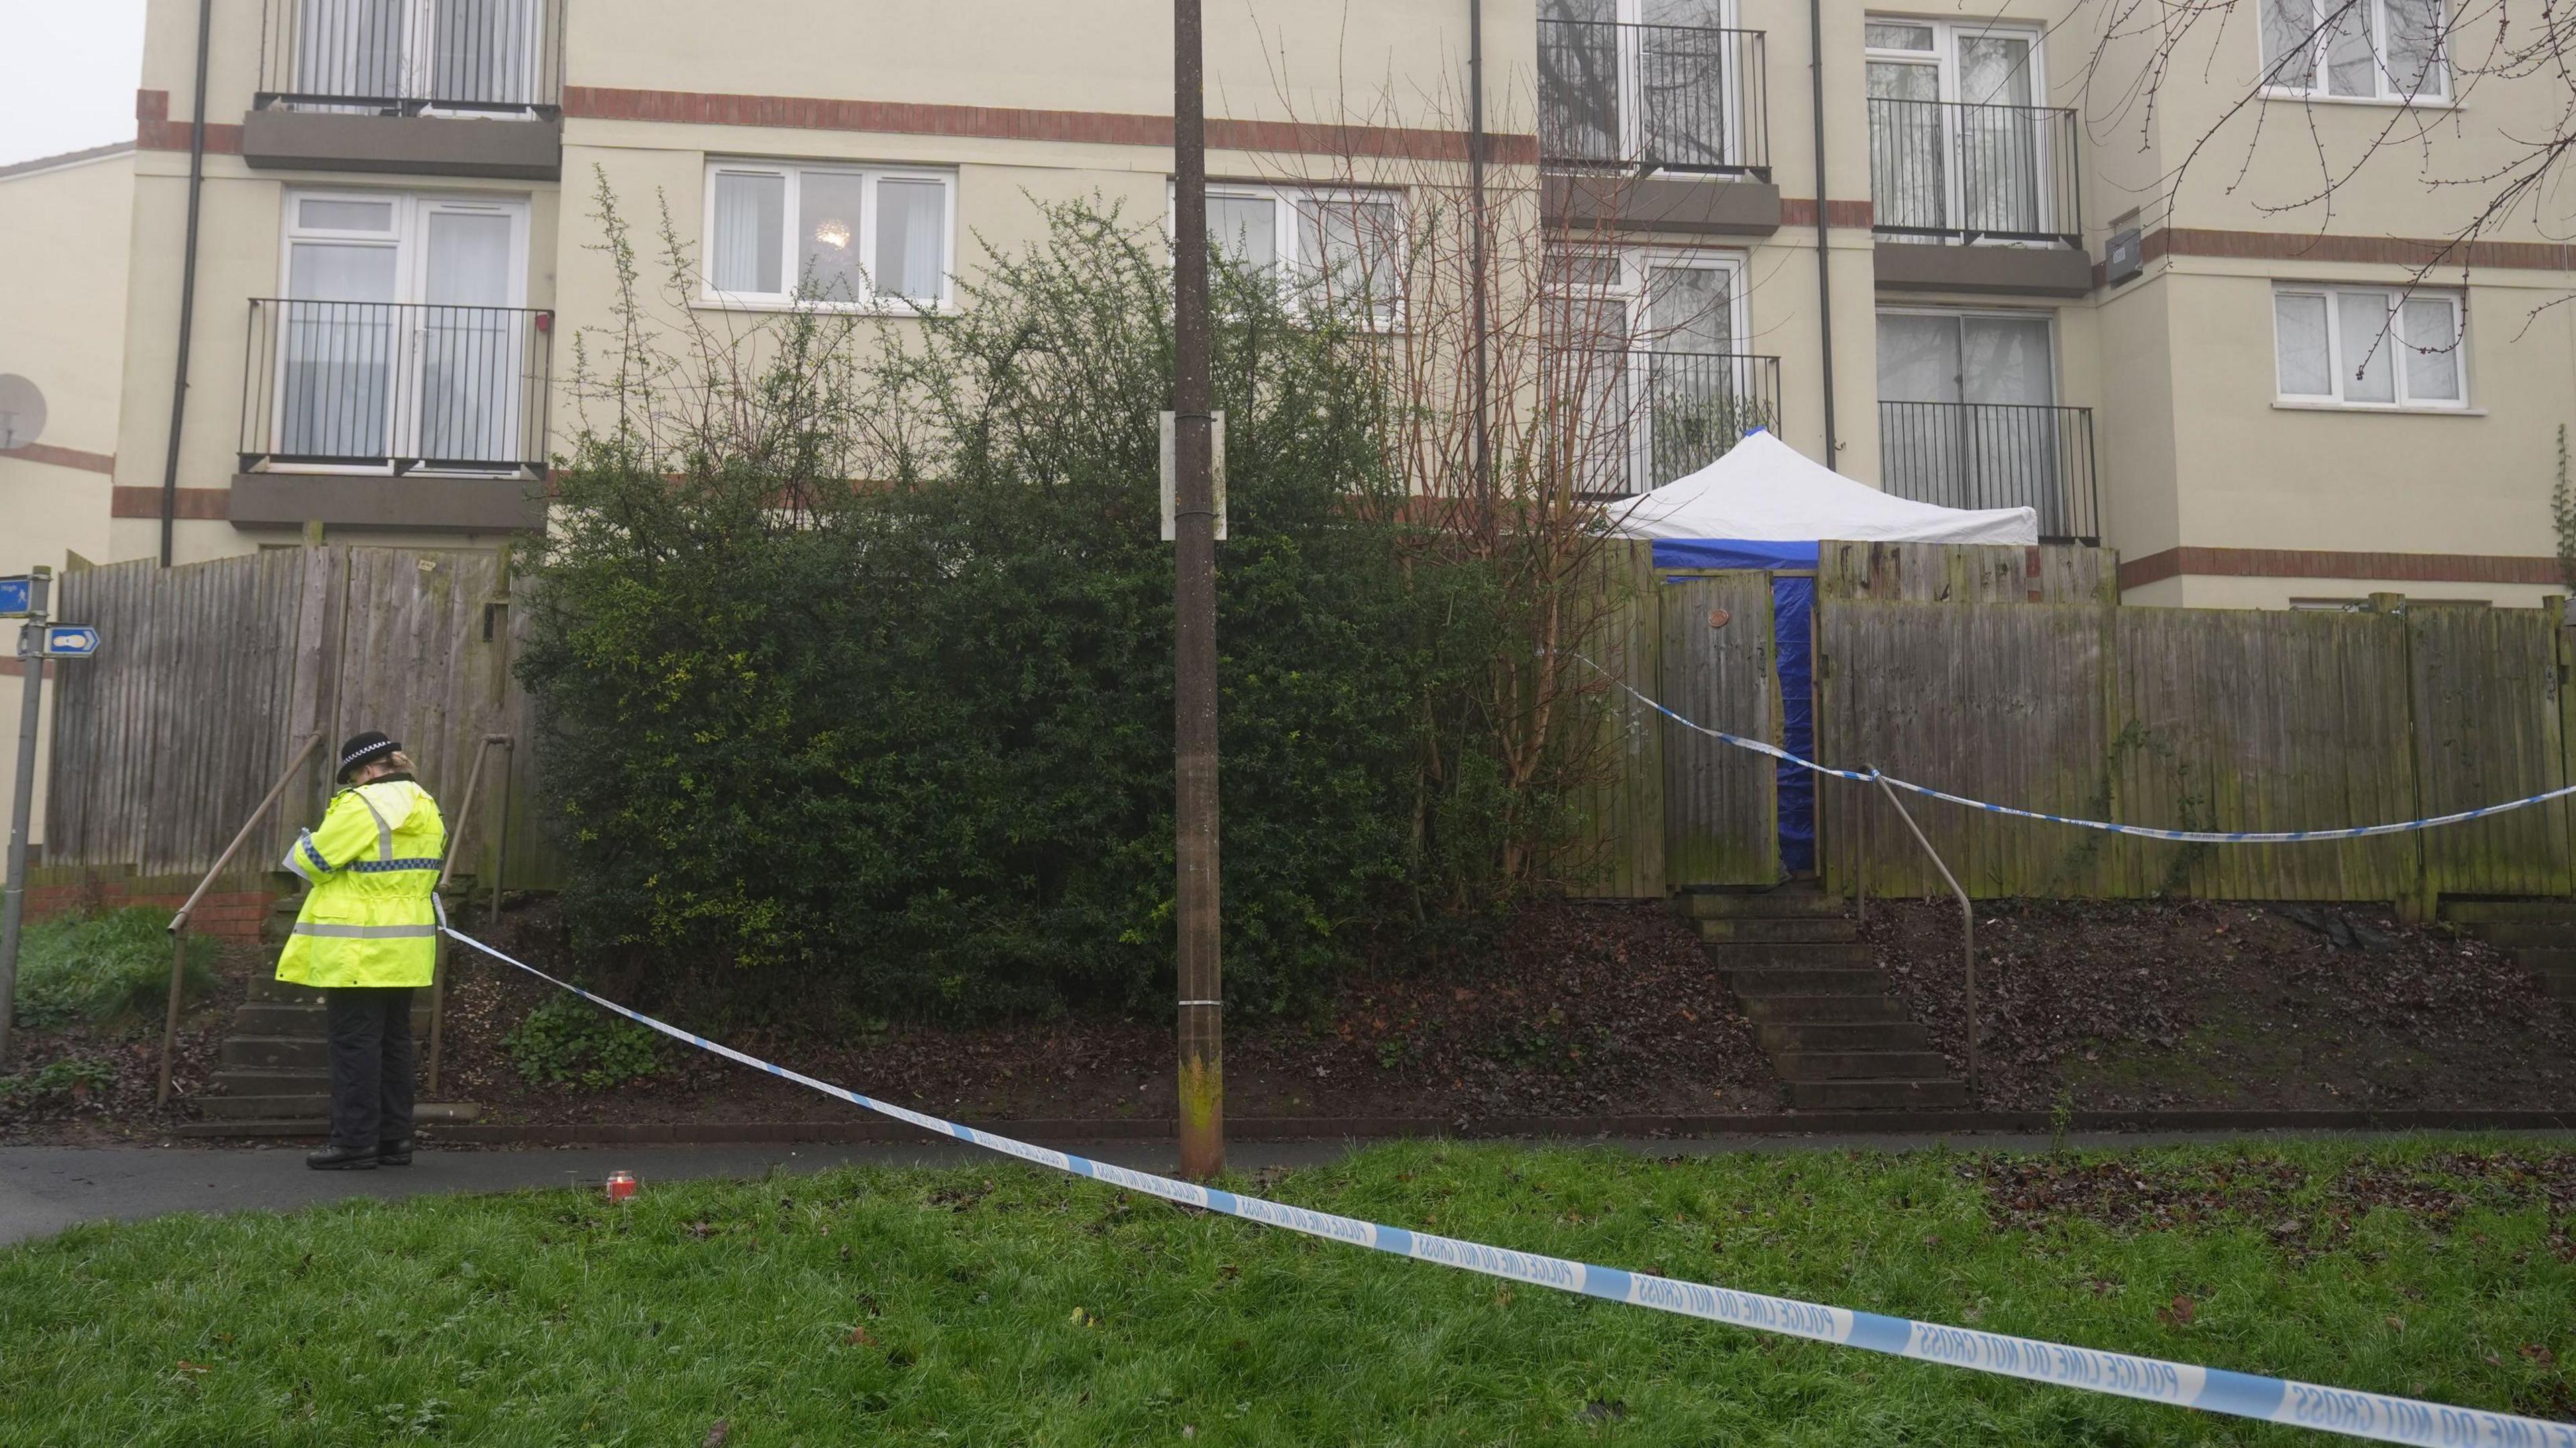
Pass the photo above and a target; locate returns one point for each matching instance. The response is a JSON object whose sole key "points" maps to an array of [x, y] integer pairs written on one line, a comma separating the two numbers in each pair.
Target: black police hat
{"points": [[364, 749]]}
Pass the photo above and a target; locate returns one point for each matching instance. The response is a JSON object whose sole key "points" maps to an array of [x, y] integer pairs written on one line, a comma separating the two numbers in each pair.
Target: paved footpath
{"points": [[44, 1189]]}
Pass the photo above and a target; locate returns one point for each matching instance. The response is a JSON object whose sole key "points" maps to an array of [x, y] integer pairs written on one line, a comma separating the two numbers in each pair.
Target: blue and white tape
{"points": [[2192, 837], [2215, 1390]]}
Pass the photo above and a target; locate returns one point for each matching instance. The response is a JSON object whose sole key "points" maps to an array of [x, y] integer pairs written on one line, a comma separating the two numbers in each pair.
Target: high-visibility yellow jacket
{"points": [[373, 865]]}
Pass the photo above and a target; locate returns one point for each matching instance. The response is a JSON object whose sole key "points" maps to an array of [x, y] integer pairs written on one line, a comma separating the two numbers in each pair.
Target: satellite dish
{"points": [[22, 411]]}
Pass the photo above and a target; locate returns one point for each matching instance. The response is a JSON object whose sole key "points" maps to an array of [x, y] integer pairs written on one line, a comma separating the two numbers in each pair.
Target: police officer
{"points": [[367, 935]]}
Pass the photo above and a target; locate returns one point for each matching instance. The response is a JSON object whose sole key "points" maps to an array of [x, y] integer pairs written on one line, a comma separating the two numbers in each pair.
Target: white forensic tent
{"points": [[1764, 490]]}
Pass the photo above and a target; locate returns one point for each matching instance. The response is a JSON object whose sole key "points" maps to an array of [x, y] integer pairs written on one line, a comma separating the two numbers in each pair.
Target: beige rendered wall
{"points": [[63, 239]]}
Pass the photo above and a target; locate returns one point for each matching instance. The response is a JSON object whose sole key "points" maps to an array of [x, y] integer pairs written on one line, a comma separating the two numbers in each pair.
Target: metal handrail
{"points": [[482, 57], [1966, 171], [1968, 924], [1677, 98], [1996, 455], [399, 386], [179, 922]]}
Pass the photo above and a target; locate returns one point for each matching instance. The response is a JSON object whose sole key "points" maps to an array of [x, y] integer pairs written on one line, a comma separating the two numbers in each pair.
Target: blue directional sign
{"points": [[17, 596], [69, 642]]}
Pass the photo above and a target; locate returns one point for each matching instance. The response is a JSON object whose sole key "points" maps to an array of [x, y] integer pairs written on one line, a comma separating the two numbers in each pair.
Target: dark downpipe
{"points": [[1824, 259], [187, 281], [1476, 172]]}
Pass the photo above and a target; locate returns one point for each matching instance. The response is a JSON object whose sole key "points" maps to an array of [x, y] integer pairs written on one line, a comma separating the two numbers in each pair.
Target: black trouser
{"points": [[371, 1059]]}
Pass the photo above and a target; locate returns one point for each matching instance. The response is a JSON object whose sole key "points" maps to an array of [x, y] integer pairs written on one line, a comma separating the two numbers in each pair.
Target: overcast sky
{"points": [[67, 74]]}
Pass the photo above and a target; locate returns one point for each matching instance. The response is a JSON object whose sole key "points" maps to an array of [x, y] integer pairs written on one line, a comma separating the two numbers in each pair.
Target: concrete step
{"points": [[278, 1018], [1792, 930], [1786, 903], [1920, 1095], [1744, 954], [1806, 981], [1894, 1035], [269, 1108], [308, 1052], [270, 1081], [2482, 912], [1854, 1010], [1861, 1065], [2516, 934], [267, 988]]}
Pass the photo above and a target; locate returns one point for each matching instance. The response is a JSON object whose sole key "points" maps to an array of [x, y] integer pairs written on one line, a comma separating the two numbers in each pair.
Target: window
{"points": [[1330, 248], [1667, 84], [400, 337], [1642, 356], [1968, 417], [780, 235], [2369, 346], [1960, 146], [2355, 49]]}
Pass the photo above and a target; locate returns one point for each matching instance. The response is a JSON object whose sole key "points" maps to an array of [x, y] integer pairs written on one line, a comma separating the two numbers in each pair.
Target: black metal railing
{"points": [[1995, 455], [1950, 171], [403, 57], [1653, 98], [1635, 420], [396, 385]]}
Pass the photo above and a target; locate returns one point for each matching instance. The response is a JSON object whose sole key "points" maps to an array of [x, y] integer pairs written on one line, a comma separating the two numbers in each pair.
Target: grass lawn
{"points": [[1007, 1306]]}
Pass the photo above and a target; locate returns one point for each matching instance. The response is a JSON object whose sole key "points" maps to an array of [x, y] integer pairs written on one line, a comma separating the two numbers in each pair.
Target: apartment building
{"points": [[1936, 245], [64, 221]]}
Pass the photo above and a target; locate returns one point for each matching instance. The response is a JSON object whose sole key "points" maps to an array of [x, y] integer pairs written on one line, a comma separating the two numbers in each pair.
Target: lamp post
{"points": [[1202, 1018]]}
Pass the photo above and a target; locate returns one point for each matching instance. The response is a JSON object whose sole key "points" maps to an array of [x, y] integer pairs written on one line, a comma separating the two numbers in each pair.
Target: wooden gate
{"points": [[213, 673], [1722, 802]]}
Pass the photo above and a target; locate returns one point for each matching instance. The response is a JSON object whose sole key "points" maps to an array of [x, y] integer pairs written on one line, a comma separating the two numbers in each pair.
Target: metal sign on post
{"points": [[28, 596], [69, 641], [1172, 473]]}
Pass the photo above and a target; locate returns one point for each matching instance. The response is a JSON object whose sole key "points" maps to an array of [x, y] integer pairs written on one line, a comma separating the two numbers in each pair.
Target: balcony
{"points": [[394, 414], [1653, 98], [1636, 420], [1995, 455], [1994, 190], [411, 87]]}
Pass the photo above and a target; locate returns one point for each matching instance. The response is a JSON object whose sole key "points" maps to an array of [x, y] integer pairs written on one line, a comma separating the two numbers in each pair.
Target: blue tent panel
{"points": [[1733, 553]]}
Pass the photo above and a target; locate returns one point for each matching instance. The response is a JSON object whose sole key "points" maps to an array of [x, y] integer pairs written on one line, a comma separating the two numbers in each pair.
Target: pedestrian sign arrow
{"points": [[18, 597], [68, 642]]}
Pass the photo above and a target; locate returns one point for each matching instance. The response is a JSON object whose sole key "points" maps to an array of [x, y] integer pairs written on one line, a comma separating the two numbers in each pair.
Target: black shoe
{"points": [[342, 1158], [394, 1153]]}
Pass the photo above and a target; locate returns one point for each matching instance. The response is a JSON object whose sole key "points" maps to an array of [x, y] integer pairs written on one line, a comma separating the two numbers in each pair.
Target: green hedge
{"points": [[909, 747]]}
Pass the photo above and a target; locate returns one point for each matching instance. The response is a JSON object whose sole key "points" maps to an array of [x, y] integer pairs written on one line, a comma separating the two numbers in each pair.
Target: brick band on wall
{"points": [[2313, 563]]}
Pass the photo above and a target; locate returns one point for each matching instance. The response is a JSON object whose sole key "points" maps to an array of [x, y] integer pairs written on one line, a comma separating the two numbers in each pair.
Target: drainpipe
{"points": [[187, 281], [1824, 261], [1477, 304]]}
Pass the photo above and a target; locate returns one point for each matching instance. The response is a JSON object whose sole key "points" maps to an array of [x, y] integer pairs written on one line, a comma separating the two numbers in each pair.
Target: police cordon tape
{"points": [[2214, 1390], [2191, 837]]}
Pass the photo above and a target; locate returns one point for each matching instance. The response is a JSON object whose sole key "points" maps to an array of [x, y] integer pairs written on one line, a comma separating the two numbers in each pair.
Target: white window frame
{"points": [[2384, 81], [1632, 98], [791, 264], [2340, 363], [1944, 54], [1287, 237], [408, 239]]}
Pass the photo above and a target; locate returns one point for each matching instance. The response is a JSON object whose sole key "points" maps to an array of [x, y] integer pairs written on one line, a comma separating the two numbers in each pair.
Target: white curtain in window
{"points": [[827, 236], [912, 239], [2289, 43], [357, 48], [1245, 229], [2369, 374], [2414, 48], [336, 372], [2432, 344], [484, 51], [750, 229], [469, 365], [2299, 333], [1918, 358], [1908, 163], [2006, 360], [1350, 246], [1689, 309], [2352, 65]]}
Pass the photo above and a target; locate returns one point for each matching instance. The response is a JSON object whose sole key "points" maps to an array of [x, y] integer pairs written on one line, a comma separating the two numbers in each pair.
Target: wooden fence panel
{"points": [[166, 741], [2236, 720], [2000, 703], [2487, 730], [1616, 846], [1964, 573], [1722, 812]]}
